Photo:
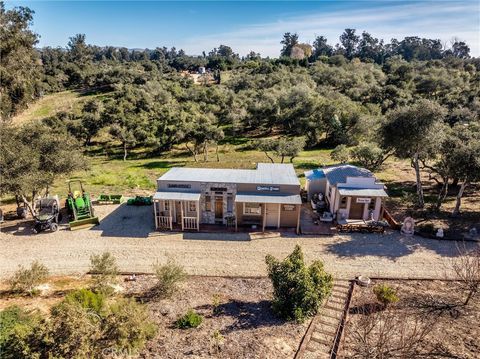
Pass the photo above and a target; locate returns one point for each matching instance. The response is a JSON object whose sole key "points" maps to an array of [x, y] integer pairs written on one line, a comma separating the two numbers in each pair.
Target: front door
{"points": [[272, 215], [218, 208], [356, 209], [178, 212]]}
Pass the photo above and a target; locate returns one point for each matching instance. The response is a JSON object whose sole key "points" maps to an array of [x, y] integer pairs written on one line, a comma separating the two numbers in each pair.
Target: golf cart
{"points": [[48, 216]]}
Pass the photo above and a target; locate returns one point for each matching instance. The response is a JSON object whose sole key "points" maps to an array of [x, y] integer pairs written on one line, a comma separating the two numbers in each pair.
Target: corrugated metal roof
{"points": [[177, 196], [266, 173], [339, 174], [249, 197], [314, 174], [364, 192]]}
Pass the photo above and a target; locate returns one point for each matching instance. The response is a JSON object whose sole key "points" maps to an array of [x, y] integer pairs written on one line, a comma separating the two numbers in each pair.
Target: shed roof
{"points": [[265, 173], [362, 192], [253, 197], [176, 196], [339, 174], [314, 174]]}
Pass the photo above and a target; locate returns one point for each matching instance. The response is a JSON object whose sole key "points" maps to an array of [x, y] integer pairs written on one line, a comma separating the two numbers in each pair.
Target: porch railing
{"points": [[164, 222], [190, 223]]}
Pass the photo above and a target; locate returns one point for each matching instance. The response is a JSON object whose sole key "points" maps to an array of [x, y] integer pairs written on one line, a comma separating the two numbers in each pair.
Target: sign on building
{"points": [[268, 188], [363, 200]]}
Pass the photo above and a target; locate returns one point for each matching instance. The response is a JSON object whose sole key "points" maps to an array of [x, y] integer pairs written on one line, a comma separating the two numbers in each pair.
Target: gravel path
{"points": [[127, 232]]}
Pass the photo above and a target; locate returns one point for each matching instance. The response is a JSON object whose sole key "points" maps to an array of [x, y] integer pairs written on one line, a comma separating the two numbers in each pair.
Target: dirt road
{"points": [[128, 234]]}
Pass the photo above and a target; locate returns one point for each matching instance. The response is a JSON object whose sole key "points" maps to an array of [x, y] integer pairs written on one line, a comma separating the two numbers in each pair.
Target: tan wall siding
{"points": [[289, 218]]}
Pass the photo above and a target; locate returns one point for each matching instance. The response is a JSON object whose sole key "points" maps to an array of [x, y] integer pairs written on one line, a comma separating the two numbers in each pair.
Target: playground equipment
{"points": [[80, 207], [48, 209]]}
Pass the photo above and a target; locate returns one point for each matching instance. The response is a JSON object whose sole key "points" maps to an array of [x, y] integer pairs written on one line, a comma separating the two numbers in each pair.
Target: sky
{"points": [[197, 26]]}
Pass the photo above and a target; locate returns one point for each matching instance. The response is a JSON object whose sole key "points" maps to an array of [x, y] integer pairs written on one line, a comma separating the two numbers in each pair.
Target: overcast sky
{"points": [[245, 26]]}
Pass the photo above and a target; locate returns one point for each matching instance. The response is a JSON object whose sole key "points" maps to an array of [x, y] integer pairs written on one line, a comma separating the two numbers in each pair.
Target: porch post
{"points": [[198, 215], [264, 219], [170, 203], [181, 212], [279, 210], [235, 217], [155, 213], [299, 206]]}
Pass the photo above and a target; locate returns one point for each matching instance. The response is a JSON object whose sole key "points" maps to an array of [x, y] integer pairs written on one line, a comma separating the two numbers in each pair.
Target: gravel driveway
{"points": [[127, 232]]}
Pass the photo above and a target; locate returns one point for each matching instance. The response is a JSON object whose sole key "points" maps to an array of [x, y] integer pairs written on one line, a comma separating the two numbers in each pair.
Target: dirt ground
{"points": [[243, 317], [451, 331], [127, 232]]}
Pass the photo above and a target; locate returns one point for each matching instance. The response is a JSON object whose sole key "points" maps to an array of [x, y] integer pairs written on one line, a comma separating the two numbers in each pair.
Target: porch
{"points": [[176, 209]]}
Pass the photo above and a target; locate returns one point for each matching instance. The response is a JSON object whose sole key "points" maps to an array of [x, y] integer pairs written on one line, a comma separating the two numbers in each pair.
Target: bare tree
{"points": [[387, 334], [467, 268]]}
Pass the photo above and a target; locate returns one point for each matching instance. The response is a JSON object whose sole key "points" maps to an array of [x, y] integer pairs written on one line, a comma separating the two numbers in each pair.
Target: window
{"points": [[208, 203], [230, 204], [166, 205], [254, 209], [192, 206], [371, 205], [343, 202]]}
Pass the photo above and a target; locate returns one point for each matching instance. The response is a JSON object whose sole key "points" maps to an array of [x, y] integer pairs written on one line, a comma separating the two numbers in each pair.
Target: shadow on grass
{"points": [[248, 315], [161, 164]]}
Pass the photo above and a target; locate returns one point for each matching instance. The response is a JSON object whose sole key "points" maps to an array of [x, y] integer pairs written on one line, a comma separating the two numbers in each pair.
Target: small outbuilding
{"points": [[350, 192]]}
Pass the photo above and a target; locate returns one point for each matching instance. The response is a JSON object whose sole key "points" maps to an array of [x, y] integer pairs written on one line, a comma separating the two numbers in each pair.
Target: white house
{"points": [[350, 192]]}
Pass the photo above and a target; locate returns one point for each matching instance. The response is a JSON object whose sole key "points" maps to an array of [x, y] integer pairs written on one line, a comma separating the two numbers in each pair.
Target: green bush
{"points": [[169, 276], [105, 270], [191, 319], [298, 290], [368, 155], [128, 325], [385, 294], [87, 299], [340, 154], [25, 280], [21, 333]]}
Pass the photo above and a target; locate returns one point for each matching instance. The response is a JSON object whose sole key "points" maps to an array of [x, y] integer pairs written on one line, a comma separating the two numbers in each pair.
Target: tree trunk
{"points": [[456, 210], [205, 152], [283, 158], [216, 152], [193, 152], [270, 158], [416, 166], [291, 159], [442, 194], [29, 206], [455, 182], [125, 151], [469, 296]]}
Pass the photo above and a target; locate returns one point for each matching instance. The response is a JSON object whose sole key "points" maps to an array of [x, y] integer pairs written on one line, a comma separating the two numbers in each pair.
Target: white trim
{"points": [[252, 214]]}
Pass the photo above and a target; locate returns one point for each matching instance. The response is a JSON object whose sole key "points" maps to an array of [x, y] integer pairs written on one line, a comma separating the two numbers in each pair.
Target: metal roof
{"points": [[364, 192], [339, 174], [252, 197], [177, 196], [266, 173], [314, 174]]}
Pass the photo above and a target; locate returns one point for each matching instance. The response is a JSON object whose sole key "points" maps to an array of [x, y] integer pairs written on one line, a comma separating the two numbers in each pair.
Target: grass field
{"points": [[49, 105]]}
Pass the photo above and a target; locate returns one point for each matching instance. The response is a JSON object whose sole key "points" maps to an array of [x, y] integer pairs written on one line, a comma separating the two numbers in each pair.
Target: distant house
{"points": [[350, 192], [265, 197]]}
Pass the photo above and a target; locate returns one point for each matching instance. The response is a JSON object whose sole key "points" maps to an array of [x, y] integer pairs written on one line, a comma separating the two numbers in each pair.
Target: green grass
{"points": [[49, 105]]}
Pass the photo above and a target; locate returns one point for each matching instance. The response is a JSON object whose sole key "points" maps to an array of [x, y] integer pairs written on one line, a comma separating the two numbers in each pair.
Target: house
{"points": [[266, 197], [350, 192]]}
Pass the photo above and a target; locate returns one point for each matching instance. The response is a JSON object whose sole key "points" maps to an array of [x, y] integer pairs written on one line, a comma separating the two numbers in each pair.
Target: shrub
{"points": [[340, 154], [21, 333], [216, 301], [26, 279], [385, 294], [105, 270], [191, 319], [217, 340], [368, 155], [169, 276], [298, 290], [128, 326], [87, 299]]}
